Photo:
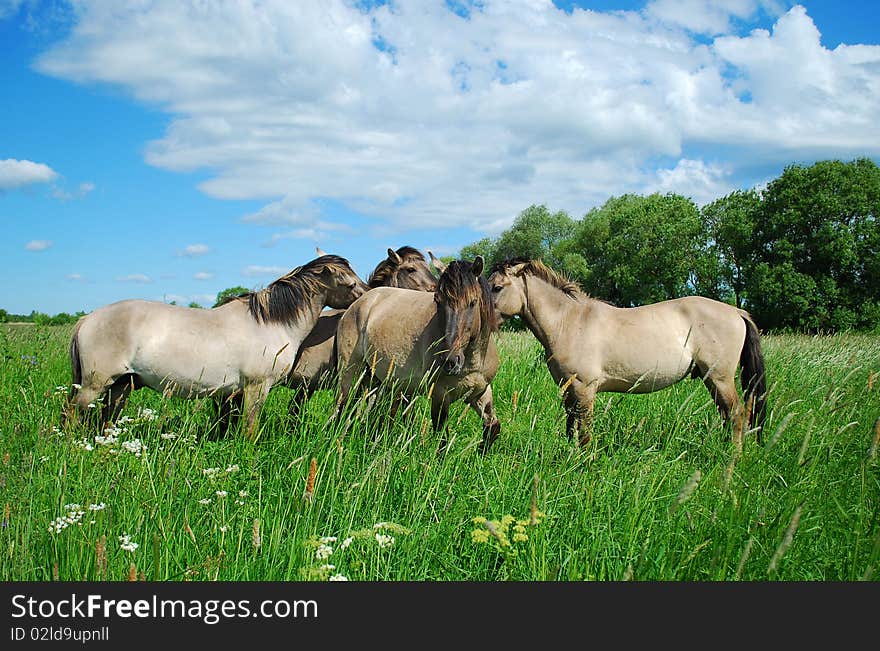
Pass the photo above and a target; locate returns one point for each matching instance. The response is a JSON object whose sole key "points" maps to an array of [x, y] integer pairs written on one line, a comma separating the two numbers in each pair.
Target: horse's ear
{"points": [[477, 265], [320, 251], [439, 265], [392, 255]]}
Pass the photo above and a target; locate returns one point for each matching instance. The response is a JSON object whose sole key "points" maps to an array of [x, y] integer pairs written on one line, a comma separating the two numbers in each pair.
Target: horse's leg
{"points": [[440, 417], [485, 407], [116, 396], [300, 395], [579, 399], [228, 407], [723, 391], [254, 395]]}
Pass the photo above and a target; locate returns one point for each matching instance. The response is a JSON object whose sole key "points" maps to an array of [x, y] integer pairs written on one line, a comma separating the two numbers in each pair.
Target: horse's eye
{"points": [[496, 288], [410, 270]]}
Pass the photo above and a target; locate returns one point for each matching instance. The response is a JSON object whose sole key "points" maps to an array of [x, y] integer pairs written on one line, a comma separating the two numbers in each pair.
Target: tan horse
{"points": [[594, 347], [438, 344], [236, 351], [314, 368]]}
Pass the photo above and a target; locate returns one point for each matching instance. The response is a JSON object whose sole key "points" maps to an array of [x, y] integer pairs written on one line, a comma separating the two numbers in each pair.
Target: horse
{"points": [[314, 367], [416, 340], [591, 346], [234, 352]]}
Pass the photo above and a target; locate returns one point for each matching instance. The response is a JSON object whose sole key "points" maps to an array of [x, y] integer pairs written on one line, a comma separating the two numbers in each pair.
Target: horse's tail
{"points": [[75, 360], [754, 378]]}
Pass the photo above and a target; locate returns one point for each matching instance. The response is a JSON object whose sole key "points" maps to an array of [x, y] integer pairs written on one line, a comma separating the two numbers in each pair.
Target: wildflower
{"points": [[210, 473], [147, 414], [134, 446], [73, 516], [168, 436], [242, 494], [220, 494], [327, 539], [97, 507], [231, 469], [223, 528], [345, 543], [323, 552], [44, 459], [126, 543], [205, 501], [338, 577], [479, 536], [384, 541], [91, 405], [83, 444]]}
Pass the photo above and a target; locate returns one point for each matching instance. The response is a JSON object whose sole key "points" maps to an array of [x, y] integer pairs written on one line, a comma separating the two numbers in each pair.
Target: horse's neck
{"points": [[309, 316], [546, 310]]}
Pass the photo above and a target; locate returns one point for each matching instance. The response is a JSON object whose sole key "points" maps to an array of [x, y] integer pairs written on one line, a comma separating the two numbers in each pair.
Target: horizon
{"points": [[173, 150]]}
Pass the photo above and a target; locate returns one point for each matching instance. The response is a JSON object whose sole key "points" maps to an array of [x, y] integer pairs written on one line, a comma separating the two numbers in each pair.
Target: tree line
{"points": [[803, 254]]}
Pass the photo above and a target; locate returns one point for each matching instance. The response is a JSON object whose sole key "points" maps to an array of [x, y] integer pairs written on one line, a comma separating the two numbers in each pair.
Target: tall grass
{"points": [[659, 494]]}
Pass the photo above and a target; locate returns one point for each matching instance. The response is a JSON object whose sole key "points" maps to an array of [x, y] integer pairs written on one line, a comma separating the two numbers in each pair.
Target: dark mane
{"points": [[538, 269], [286, 299], [385, 269], [459, 286]]}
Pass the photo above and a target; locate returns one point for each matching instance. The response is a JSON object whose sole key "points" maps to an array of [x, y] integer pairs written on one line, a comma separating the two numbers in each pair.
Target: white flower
{"points": [[346, 542], [134, 446], [223, 528], [73, 516], [323, 552], [126, 543], [91, 405], [242, 494], [97, 507], [383, 540], [84, 445], [231, 469], [168, 435], [328, 539], [221, 493], [211, 472], [380, 525], [205, 501], [338, 577]]}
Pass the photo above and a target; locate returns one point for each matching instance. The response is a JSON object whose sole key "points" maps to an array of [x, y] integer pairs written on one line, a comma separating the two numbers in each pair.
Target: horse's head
{"points": [[343, 285], [507, 288], [463, 297], [405, 268]]}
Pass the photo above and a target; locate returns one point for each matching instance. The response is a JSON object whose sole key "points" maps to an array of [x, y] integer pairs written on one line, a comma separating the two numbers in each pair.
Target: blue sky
{"points": [[171, 149]]}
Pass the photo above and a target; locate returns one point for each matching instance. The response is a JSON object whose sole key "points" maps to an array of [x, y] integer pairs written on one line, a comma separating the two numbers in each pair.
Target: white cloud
{"points": [[455, 121], [135, 278], [81, 191], [19, 173], [194, 250], [205, 300], [76, 277], [8, 8], [255, 270], [38, 245], [701, 182], [203, 275]]}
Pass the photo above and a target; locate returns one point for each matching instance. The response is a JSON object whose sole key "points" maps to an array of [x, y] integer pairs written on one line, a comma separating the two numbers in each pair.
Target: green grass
{"points": [[649, 499]]}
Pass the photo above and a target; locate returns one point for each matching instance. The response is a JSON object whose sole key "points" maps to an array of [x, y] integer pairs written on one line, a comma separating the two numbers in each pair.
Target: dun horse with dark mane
{"points": [[440, 344], [234, 352], [593, 347], [314, 367]]}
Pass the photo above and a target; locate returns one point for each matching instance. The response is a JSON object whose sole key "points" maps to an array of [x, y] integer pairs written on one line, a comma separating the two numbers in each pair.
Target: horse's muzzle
{"points": [[454, 363]]}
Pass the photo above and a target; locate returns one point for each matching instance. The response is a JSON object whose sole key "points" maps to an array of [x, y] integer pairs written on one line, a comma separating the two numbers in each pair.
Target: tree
{"points": [[194, 304], [816, 248], [638, 250], [228, 293], [536, 233], [4, 316], [728, 225]]}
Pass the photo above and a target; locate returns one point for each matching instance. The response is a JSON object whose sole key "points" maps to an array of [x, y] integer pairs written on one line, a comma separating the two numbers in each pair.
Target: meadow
{"points": [[660, 493]]}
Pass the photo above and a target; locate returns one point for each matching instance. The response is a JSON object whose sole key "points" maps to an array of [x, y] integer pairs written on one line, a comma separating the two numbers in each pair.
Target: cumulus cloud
{"points": [[418, 116], [135, 278], [38, 245], [194, 250], [256, 270], [16, 174], [203, 275]]}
